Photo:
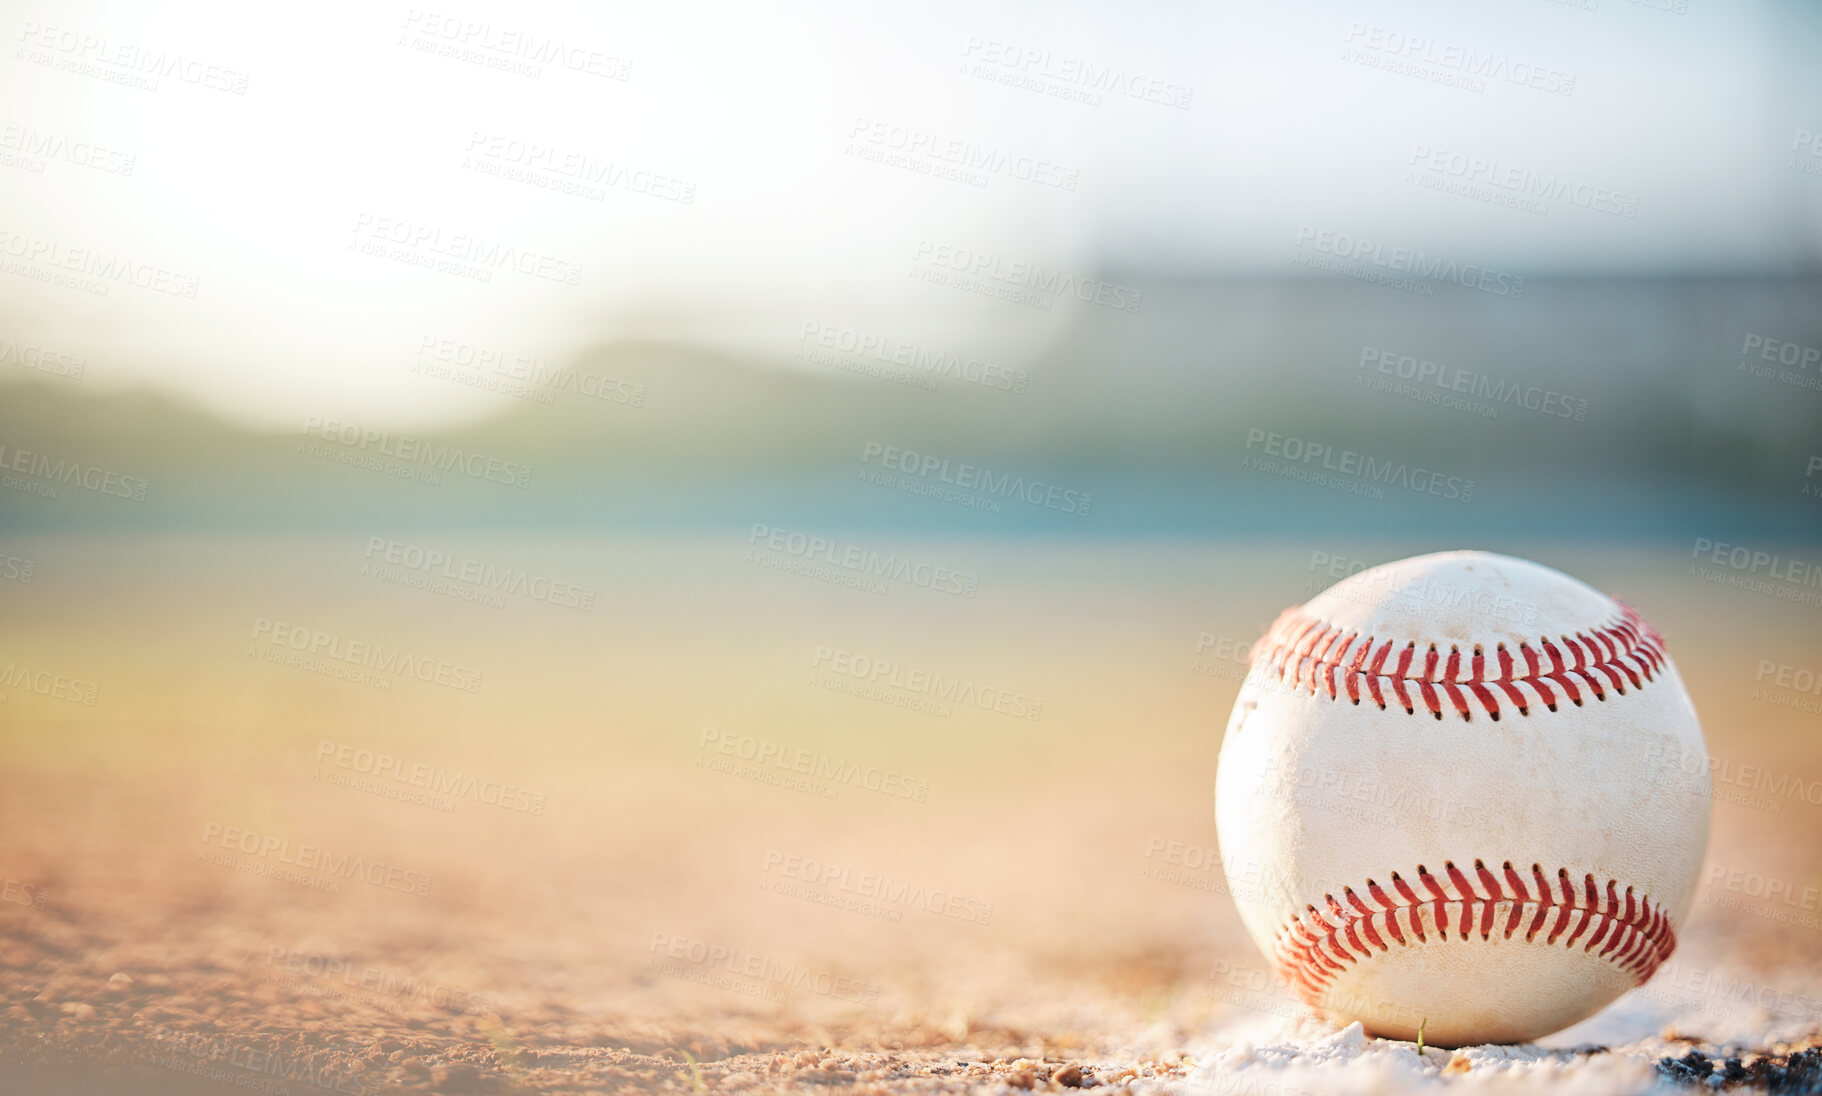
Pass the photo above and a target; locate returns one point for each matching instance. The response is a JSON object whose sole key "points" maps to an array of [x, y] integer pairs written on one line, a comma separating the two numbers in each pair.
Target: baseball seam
{"points": [[1317, 945], [1309, 653]]}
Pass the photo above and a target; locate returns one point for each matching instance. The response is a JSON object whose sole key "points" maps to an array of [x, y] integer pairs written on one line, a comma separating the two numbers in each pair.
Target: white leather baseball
{"points": [[1452, 795]]}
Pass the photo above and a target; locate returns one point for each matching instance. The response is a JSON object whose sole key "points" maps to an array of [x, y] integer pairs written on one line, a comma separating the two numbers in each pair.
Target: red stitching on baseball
{"points": [[1312, 655], [1315, 946]]}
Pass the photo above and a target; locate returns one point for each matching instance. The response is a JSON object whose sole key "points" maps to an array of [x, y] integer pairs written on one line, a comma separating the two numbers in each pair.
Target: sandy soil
{"points": [[643, 911]]}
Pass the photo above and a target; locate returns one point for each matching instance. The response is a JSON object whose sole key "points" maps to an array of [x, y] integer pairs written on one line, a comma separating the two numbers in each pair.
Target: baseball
{"points": [[1453, 797]]}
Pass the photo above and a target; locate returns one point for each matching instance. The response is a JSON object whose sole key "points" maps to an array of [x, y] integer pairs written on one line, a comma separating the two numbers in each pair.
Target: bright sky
{"points": [[730, 161]]}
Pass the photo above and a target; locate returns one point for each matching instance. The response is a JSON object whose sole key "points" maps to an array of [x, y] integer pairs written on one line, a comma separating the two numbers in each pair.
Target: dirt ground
{"points": [[660, 846]]}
